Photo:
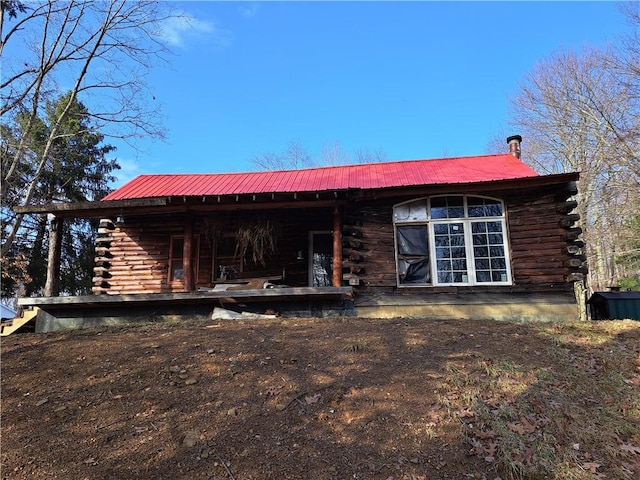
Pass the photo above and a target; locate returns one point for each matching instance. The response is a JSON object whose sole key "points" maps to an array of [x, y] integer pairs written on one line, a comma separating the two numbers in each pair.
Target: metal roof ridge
{"points": [[328, 167]]}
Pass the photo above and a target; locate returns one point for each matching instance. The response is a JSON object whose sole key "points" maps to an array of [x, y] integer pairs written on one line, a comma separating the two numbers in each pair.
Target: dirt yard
{"points": [[321, 399]]}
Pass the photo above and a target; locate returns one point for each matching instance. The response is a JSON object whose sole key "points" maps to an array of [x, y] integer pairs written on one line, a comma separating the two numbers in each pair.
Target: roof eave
{"points": [[106, 208], [91, 209]]}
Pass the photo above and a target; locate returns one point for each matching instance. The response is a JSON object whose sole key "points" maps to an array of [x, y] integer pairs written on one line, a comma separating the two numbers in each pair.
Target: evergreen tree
{"points": [[77, 169]]}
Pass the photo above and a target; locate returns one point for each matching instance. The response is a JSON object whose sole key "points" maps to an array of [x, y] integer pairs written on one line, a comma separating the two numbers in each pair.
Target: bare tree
{"points": [[626, 64], [629, 49], [333, 154], [577, 116], [294, 157], [100, 50], [364, 155]]}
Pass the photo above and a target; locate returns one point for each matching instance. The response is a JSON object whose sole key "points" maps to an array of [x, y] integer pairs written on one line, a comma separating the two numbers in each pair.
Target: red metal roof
{"points": [[364, 176]]}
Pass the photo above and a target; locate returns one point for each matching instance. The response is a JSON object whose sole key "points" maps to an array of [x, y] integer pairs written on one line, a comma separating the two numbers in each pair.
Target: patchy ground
{"points": [[323, 399]]}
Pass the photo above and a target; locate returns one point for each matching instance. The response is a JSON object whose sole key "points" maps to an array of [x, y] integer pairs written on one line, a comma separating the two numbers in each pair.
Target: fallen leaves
{"points": [[311, 399], [591, 466], [400, 407], [635, 381], [466, 413], [523, 427], [273, 391], [628, 447]]}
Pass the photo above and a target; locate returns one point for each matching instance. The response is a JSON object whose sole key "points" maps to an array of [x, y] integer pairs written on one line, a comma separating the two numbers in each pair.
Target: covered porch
{"points": [[181, 245]]}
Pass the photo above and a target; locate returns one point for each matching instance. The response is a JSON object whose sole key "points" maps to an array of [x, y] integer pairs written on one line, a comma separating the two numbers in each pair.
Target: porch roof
{"points": [[364, 176]]}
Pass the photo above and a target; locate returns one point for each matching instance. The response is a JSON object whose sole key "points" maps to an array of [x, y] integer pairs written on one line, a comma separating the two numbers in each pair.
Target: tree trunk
{"points": [[52, 287]]}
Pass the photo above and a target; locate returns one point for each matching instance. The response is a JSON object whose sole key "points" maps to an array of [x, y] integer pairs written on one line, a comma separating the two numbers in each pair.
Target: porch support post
{"points": [[337, 247], [187, 254], [52, 284]]}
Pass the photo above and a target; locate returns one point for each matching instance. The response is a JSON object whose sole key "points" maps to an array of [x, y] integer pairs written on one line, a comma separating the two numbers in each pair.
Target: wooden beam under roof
{"points": [[91, 209]]}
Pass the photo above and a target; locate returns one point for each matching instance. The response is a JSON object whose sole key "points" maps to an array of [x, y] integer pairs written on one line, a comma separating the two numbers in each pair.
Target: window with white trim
{"points": [[451, 240]]}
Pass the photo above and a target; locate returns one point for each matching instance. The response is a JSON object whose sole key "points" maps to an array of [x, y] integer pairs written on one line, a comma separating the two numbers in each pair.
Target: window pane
{"points": [[456, 228], [447, 207], [414, 271], [493, 208], [401, 213], [494, 227], [475, 211], [480, 239], [460, 277], [439, 207], [482, 264], [413, 254], [495, 239], [499, 276], [456, 212], [444, 277], [457, 240], [411, 212], [451, 253], [418, 211], [442, 241], [412, 240], [483, 276], [175, 261], [489, 252], [444, 265], [498, 264], [478, 227], [441, 229], [484, 207], [177, 271], [475, 206], [177, 246], [459, 264]]}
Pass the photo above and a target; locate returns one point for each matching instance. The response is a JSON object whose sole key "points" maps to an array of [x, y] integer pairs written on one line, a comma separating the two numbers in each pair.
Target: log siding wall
{"points": [[544, 244], [545, 249], [134, 257]]}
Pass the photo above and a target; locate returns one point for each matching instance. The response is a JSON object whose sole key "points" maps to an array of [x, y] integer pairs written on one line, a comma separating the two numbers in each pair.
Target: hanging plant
{"points": [[257, 236]]}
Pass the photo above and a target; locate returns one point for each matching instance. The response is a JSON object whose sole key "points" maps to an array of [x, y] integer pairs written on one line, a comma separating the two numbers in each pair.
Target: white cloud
{"points": [[176, 31], [129, 169], [248, 10]]}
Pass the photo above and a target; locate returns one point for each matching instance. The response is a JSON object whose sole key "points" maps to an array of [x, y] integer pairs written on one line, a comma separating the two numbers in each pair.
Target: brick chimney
{"points": [[514, 145]]}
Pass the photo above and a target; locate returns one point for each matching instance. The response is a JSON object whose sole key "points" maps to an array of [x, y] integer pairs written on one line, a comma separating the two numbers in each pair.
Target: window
{"points": [[451, 240], [176, 260], [176, 264]]}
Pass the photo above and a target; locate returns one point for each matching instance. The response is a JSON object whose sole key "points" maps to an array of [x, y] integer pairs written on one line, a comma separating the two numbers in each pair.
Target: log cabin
{"points": [[468, 237]]}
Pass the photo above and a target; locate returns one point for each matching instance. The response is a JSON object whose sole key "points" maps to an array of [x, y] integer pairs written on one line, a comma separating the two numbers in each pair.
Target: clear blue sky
{"points": [[410, 79]]}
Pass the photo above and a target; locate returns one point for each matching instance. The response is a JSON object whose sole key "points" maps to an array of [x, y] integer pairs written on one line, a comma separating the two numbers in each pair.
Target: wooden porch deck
{"points": [[77, 311], [223, 296]]}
